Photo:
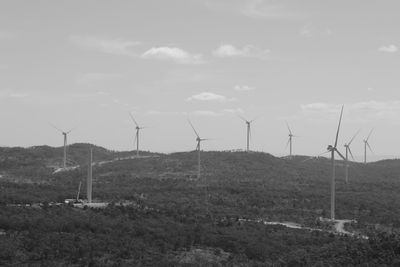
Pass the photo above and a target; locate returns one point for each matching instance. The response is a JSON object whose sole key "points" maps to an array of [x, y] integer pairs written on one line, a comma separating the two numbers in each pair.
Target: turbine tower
{"points": [[65, 134], [348, 151], [90, 178], [248, 125], [136, 135], [365, 146], [332, 150], [198, 148], [289, 143]]}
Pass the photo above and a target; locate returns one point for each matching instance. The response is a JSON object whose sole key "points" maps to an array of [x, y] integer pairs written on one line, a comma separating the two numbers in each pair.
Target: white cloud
{"points": [[310, 30], [389, 48], [173, 53], [8, 93], [206, 113], [320, 107], [264, 9], [207, 96], [243, 88], [228, 50], [104, 45], [359, 111], [158, 112], [92, 77], [233, 110], [18, 95]]}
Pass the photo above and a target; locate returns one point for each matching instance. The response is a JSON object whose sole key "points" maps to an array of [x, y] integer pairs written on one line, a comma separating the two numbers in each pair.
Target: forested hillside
{"points": [[177, 219]]}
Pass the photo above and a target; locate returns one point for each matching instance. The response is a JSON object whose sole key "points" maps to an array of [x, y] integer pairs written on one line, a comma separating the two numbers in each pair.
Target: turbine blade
{"points": [[323, 153], [288, 128], [369, 147], [71, 129], [287, 144], [133, 119], [340, 154], [256, 118], [337, 133], [193, 128], [351, 154], [58, 129], [241, 117], [369, 134], [351, 140]]}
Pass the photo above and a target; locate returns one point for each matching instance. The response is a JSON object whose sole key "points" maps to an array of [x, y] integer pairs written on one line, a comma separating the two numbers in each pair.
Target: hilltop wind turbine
{"points": [[198, 148], [332, 150], [348, 151], [65, 134], [365, 146], [248, 123], [290, 140], [136, 135]]}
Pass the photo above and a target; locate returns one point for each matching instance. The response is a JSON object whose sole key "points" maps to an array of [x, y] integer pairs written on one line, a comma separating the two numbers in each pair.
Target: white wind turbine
{"points": [[348, 151], [198, 148], [248, 124], [366, 144], [332, 150], [290, 140], [65, 134], [138, 128]]}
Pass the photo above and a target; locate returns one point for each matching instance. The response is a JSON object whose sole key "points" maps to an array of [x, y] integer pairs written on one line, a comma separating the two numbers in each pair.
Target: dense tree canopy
{"points": [[176, 219]]}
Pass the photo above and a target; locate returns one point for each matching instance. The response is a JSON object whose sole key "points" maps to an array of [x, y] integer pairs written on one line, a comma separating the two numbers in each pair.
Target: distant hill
{"points": [[40, 161], [237, 182]]}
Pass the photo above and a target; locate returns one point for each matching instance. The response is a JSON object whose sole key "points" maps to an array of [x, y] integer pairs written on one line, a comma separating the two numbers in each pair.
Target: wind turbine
{"points": [[65, 134], [248, 123], [348, 151], [198, 148], [332, 150], [365, 146], [290, 140], [136, 135]]}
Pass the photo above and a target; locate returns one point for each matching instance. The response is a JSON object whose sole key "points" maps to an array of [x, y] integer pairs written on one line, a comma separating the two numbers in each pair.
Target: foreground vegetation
{"points": [[180, 220]]}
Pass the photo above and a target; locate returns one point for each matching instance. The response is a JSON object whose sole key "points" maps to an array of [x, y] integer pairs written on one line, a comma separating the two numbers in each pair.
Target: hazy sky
{"points": [[87, 63]]}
